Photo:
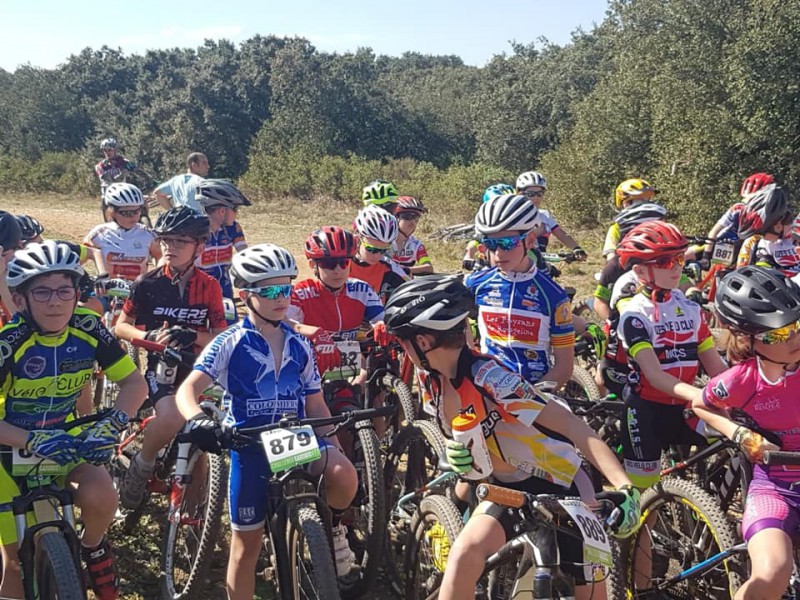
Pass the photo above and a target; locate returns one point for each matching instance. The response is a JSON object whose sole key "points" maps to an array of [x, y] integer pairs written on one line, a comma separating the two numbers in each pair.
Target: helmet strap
{"points": [[422, 354], [329, 288], [259, 315]]}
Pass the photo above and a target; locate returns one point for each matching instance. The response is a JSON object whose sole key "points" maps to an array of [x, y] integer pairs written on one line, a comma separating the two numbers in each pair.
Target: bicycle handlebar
{"points": [[170, 354], [781, 457]]}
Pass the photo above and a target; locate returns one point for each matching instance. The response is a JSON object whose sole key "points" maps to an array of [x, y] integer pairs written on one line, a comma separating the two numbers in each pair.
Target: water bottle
{"points": [[467, 430]]}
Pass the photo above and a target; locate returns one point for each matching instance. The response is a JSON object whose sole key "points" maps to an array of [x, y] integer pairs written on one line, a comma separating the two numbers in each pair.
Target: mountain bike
{"points": [[297, 535]]}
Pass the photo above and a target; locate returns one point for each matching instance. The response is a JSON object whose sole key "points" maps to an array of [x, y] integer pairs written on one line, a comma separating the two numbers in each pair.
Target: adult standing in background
{"points": [[113, 168], [180, 190]]}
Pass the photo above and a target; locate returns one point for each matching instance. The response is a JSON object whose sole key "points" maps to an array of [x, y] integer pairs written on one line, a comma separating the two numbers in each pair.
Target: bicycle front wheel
{"points": [[581, 384], [310, 556], [55, 571], [683, 527], [193, 528]]}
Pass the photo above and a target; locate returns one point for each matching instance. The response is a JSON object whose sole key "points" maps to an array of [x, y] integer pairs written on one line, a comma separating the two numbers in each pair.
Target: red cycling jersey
{"points": [[344, 311]]}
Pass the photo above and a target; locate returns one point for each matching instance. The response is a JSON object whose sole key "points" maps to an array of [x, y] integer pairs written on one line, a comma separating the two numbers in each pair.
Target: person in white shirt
{"points": [[179, 191]]}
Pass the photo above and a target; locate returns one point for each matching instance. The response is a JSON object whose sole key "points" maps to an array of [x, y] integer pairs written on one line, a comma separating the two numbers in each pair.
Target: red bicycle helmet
{"points": [[409, 204], [650, 241], [755, 182], [330, 242], [763, 210]]}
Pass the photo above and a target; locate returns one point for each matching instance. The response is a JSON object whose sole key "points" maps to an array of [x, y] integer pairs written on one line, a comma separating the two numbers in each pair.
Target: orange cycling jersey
{"points": [[507, 407]]}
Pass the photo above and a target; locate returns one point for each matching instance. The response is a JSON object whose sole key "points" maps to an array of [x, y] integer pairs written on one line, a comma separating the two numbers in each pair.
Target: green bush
{"points": [[57, 172]]}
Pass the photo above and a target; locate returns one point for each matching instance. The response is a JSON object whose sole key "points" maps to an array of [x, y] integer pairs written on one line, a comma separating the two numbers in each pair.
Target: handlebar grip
{"points": [[148, 345], [500, 495], [781, 457]]}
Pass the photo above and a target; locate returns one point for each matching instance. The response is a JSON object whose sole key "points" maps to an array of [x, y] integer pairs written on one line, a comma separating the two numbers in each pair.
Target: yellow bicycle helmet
{"points": [[633, 189]]}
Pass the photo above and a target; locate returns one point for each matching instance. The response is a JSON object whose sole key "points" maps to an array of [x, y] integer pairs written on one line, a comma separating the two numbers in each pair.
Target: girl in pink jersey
{"points": [[761, 307]]}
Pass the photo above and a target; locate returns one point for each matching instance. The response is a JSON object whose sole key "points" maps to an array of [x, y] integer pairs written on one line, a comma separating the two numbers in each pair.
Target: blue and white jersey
{"points": [[520, 317], [241, 361]]}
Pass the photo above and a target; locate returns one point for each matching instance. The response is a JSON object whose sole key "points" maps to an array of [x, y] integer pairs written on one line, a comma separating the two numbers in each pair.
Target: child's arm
{"points": [[661, 380], [189, 391]]}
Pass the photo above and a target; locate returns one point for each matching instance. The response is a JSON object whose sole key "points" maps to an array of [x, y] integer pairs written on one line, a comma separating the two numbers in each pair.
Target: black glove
{"points": [[468, 264], [579, 253], [205, 433], [554, 272], [181, 336]]}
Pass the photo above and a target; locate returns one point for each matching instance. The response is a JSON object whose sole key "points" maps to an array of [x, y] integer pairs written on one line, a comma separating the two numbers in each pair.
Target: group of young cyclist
{"points": [[194, 265]]}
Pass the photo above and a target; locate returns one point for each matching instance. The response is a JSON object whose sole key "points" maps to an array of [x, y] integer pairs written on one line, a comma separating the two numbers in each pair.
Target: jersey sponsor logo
{"points": [[73, 366], [34, 366], [720, 391], [490, 422], [87, 323], [71, 349], [5, 352], [563, 314], [264, 363], [502, 327], [247, 513], [306, 293], [70, 384], [195, 316], [636, 323], [678, 311], [768, 405], [674, 326], [258, 408]]}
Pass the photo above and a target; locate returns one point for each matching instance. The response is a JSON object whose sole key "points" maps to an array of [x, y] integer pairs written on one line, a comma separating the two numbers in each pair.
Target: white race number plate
{"points": [[288, 448], [722, 254], [596, 547]]}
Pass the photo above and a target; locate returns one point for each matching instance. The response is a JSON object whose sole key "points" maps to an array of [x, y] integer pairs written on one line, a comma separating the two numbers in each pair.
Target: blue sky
{"points": [[45, 33]]}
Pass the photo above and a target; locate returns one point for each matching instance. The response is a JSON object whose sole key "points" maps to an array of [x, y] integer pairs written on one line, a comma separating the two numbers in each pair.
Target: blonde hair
{"points": [[738, 346]]}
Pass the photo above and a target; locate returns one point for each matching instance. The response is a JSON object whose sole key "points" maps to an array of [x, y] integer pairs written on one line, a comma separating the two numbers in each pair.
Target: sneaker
{"points": [[341, 551], [103, 577], [134, 484]]}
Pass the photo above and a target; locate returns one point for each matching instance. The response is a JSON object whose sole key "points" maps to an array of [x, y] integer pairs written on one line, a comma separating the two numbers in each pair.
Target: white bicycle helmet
{"points": [[219, 192], [506, 213], [376, 223], [261, 261], [108, 143], [42, 259], [124, 195], [530, 179]]}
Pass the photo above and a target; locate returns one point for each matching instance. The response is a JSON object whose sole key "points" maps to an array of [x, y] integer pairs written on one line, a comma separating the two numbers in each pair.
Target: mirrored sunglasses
{"points": [[374, 249], [272, 292], [502, 243], [668, 262], [330, 264], [409, 216], [132, 212], [780, 335]]}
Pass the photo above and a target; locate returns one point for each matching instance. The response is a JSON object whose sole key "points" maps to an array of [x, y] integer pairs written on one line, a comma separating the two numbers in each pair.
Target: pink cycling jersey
{"points": [[773, 405]]}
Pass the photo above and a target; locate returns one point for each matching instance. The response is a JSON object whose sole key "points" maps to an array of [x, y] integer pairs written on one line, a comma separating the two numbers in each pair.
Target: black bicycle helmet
{"points": [[638, 214], [30, 227], [10, 231], [432, 302], [763, 210], [219, 192], [183, 221], [753, 300]]}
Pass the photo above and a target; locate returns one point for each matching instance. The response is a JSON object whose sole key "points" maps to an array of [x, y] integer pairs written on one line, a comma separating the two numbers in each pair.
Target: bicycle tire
{"points": [[55, 571], [446, 523], [395, 386], [585, 308], [411, 462], [685, 504], [210, 515], [314, 573], [369, 538], [581, 384]]}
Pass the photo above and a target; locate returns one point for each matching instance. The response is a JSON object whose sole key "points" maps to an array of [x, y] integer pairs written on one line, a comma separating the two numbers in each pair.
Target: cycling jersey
{"points": [[125, 251], [507, 407], [675, 331], [611, 272], [771, 404], [520, 315], [241, 361], [729, 224], [41, 376], [216, 259], [383, 277], [778, 254], [181, 189], [546, 224], [412, 253], [154, 299], [343, 311], [613, 237], [236, 233], [113, 170]]}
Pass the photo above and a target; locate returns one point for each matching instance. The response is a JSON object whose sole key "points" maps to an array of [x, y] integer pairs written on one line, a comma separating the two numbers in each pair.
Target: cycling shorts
{"points": [[570, 548], [10, 490], [770, 504], [651, 427], [615, 375], [248, 486]]}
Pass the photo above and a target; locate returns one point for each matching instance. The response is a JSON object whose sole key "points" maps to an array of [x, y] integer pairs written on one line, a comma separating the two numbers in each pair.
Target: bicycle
{"points": [[49, 548], [297, 536], [193, 482]]}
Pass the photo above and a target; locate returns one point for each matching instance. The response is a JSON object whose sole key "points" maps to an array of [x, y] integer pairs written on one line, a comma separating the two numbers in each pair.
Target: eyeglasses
{"points": [[177, 242], [43, 294], [778, 336], [668, 262], [374, 249], [272, 292], [133, 212], [409, 216], [502, 243], [533, 194], [330, 264]]}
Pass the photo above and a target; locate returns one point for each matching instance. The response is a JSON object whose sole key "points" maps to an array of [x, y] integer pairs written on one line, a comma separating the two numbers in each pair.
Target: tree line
{"points": [[690, 94]]}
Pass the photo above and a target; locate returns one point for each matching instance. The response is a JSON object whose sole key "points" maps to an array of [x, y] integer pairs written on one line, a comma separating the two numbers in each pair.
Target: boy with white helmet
{"points": [[376, 229], [407, 250], [533, 186], [258, 345], [122, 247], [522, 312], [52, 344]]}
